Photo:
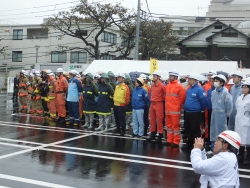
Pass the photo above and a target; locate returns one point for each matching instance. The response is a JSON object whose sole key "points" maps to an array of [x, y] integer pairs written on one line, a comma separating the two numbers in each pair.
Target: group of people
{"points": [[211, 106]]}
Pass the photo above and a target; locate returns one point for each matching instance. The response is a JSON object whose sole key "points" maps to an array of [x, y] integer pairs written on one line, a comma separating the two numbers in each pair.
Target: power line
{"points": [[39, 6]]}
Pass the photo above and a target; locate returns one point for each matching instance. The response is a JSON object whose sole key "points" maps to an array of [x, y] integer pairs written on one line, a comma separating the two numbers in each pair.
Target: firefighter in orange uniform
{"points": [[61, 88], [31, 97], [51, 97], [156, 107], [175, 98], [23, 92]]}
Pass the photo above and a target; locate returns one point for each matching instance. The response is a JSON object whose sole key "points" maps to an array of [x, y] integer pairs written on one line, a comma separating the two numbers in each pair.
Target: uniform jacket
{"points": [[196, 99], [139, 98], [90, 91], [121, 95], [220, 171], [175, 98], [74, 90], [157, 92], [61, 85], [242, 119], [22, 86]]}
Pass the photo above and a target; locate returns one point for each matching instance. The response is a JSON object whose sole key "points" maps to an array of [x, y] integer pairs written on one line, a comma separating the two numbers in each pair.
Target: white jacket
{"points": [[220, 171], [242, 119]]}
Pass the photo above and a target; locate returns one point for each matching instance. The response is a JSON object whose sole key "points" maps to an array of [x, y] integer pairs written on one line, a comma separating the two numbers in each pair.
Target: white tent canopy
{"points": [[184, 67]]}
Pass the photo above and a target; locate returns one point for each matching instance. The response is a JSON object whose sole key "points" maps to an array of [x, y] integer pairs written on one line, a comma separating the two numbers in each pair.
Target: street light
{"points": [[37, 47]]}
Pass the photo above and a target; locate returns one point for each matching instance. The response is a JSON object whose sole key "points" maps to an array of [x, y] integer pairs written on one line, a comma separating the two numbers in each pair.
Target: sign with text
{"points": [[153, 65], [10, 84]]}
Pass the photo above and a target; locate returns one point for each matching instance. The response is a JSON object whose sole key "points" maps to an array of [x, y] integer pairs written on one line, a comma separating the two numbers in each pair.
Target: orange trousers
{"points": [[173, 129], [60, 104], [156, 117], [52, 107]]}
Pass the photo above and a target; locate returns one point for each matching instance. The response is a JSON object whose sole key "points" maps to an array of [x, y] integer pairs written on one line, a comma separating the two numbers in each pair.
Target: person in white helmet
{"points": [[235, 91], [242, 122], [222, 107], [209, 75], [196, 102], [222, 169]]}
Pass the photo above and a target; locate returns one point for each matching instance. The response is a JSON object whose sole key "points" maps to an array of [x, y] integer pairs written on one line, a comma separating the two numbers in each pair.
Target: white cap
{"points": [[157, 72], [194, 76], [143, 76], [59, 70], [238, 73], [120, 75], [232, 138], [173, 73], [221, 77], [49, 72], [231, 82], [212, 72]]}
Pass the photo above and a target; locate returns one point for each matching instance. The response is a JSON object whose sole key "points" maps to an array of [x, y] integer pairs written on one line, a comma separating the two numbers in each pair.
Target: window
{"points": [[81, 32], [108, 57], [78, 57], [218, 27], [108, 37], [17, 34], [17, 56], [229, 35], [58, 57], [181, 28]]}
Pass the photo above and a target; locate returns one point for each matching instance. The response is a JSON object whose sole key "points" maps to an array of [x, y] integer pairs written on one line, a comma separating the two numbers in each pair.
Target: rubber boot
{"points": [[86, 121], [151, 137], [91, 121], [158, 140], [107, 120], [122, 131], [112, 125], [62, 120], [101, 123], [246, 155]]}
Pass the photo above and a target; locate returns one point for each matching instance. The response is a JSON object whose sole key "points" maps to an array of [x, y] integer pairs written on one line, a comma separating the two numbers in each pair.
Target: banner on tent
{"points": [[10, 85], [153, 65]]}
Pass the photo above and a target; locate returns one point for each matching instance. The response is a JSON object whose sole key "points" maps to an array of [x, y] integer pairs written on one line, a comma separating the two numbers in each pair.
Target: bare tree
{"points": [[3, 49]]}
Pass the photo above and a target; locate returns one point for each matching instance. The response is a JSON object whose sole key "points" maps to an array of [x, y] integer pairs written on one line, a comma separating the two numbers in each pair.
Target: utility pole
{"points": [[37, 47], [137, 38]]}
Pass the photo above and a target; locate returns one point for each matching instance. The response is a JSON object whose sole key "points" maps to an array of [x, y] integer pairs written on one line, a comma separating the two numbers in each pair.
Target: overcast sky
{"points": [[33, 11]]}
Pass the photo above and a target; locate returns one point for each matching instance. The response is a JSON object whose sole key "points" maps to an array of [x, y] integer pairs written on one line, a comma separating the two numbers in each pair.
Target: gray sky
{"points": [[33, 11]]}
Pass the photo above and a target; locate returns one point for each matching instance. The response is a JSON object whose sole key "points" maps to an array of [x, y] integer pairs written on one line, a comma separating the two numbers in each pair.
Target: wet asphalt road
{"points": [[38, 153]]}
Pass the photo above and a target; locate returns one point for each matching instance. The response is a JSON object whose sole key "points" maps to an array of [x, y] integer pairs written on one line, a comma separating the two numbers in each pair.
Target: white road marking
{"points": [[15, 145], [30, 181], [23, 141], [43, 146]]}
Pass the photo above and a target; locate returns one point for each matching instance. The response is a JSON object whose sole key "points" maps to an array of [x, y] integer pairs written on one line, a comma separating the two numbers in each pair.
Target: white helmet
{"points": [[37, 72], [31, 75], [143, 76], [231, 82], [246, 83], [157, 72], [173, 73], [74, 72], [194, 76], [59, 70], [164, 77], [96, 76], [23, 72], [120, 75], [202, 78], [28, 83], [212, 72], [221, 77], [238, 73], [247, 79], [232, 138], [231, 73], [48, 71]]}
